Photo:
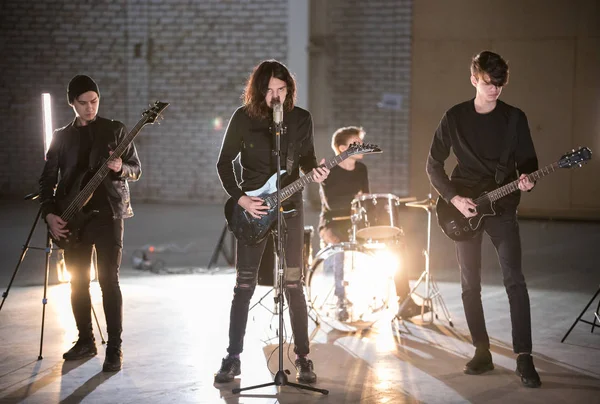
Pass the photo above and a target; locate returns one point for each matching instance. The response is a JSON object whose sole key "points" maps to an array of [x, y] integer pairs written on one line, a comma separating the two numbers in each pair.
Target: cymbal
{"points": [[428, 203]]}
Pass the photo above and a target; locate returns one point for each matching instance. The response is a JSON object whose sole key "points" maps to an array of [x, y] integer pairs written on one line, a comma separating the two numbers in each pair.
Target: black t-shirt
{"points": [[478, 141], [337, 192], [99, 200]]}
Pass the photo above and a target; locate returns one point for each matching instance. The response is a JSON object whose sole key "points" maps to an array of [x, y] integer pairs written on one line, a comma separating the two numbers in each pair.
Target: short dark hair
{"points": [[493, 65], [257, 86], [342, 135]]}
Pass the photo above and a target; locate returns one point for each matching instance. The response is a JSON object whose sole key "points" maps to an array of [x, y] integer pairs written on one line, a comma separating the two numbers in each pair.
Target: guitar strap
{"points": [[511, 134]]}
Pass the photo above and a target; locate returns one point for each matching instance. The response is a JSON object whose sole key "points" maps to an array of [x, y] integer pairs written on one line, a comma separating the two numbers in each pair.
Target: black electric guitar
{"points": [[249, 230], [86, 183], [459, 228]]}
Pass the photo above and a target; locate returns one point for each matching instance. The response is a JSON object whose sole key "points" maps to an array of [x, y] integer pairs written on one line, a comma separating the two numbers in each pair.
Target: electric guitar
{"points": [[86, 183], [459, 228], [250, 230]]}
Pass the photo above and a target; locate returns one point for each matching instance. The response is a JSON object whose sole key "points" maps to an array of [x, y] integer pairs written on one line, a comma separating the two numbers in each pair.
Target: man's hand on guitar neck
{"points": [[524, 184], [466, 206], [57, 226], [253, 205]]}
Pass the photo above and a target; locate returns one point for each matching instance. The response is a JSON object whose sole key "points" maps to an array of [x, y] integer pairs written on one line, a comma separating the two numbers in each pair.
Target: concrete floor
{"points": [[175, 329]]}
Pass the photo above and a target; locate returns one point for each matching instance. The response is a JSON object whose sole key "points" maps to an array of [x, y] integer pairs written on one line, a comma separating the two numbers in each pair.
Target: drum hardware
{"points": [[367, 295], [432, 291], [376, 216]]}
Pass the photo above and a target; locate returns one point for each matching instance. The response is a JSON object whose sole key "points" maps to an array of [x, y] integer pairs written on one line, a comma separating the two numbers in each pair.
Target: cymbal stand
{"points": [[432, 292]]}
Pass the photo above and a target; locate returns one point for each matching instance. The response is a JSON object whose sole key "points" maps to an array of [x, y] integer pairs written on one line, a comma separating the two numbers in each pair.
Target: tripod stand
{"points": [[594, 324], [432, 292], [220, 248], [48, 251], [281, 378]]}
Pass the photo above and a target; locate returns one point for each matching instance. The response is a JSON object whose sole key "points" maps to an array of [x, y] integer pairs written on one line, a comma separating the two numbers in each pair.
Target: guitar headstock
{"points": [[155, 111], [362, 148], [575, 158]]}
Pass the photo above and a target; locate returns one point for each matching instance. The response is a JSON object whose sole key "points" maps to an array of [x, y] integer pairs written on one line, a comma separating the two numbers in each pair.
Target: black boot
{"points": [[83, 348], [526, 370], [230, 368], [306, 370], [481, 362], [113, 362]]}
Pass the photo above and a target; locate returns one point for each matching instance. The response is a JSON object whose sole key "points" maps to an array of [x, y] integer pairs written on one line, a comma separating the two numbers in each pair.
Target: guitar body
{"points": [[455, 225], [79, 219], [247, 229], [459, 228]]}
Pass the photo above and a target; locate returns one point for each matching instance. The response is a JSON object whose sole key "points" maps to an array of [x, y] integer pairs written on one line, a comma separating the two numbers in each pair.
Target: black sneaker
{"points": [[526, 370], [113, 362], [230, 368], [82, 349], [481, 362], [306, 370]]}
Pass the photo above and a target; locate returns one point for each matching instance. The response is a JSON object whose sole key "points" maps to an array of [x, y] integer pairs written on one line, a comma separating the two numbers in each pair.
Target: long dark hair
{"points": [[257, 86]]}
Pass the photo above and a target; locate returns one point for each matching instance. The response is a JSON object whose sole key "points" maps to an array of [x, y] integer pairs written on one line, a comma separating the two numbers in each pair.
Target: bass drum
{"points": [[367, 291]]}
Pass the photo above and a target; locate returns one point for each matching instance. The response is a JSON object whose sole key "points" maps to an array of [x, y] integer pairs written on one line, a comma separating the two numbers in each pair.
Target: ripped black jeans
{"points": [[247, 264]]}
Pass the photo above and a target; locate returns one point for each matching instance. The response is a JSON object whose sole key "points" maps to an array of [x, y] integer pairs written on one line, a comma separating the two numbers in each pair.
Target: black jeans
{"points": [[504, 234], [247, 264], [106, 234]]}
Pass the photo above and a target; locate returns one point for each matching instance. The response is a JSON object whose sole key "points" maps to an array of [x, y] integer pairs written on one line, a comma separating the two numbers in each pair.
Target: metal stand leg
{"points": [[432, 292], [594, 324], [220, 248]]}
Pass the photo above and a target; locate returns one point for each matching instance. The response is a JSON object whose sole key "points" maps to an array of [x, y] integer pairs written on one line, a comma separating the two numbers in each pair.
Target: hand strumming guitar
{"points": [[57, 226], [466, 206], [253, 205]]}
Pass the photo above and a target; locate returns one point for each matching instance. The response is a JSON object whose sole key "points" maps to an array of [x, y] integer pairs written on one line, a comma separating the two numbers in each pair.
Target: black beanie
{"points": [[81, 84]]}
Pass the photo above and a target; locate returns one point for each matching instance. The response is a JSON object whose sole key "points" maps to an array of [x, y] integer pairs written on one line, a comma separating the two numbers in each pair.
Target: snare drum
{"points": [[366, 290], [376, 216]]}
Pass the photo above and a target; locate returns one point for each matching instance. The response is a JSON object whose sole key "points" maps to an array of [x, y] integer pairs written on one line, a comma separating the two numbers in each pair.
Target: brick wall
{"points": [[367, 69], [194, 54]]}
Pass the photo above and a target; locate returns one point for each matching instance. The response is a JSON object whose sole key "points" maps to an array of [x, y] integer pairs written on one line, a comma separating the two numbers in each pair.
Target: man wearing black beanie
{"points": [[77, 150]]}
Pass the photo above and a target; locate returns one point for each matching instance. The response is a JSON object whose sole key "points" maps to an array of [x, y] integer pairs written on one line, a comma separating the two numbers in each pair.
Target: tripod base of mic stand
{"points": [[281, 379]]}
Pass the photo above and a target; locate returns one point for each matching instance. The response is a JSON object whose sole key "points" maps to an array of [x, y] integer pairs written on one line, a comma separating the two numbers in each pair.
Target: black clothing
{"points": [[73, 151], [252, 140], [106, 234], [63, 157], [337, 192], [478, 141], [504, 234], [247, 264]]}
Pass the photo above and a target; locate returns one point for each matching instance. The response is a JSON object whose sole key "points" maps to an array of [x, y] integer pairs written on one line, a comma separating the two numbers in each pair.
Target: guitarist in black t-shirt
{"points": [[345, 181], [493, 145]]}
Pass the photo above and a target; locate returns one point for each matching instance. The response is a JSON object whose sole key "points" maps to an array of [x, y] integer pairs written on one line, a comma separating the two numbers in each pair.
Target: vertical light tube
{"points": [[47, 108]]}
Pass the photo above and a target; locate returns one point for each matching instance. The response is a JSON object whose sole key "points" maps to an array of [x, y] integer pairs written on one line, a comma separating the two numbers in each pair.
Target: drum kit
{"points": [[370, 258]]}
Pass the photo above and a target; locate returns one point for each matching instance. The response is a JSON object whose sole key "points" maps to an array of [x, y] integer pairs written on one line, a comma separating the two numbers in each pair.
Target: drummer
{"points": [[345, 181]]}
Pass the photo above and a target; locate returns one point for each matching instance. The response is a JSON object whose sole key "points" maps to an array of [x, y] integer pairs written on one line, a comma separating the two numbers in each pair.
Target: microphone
{"points": [[277, 112]]}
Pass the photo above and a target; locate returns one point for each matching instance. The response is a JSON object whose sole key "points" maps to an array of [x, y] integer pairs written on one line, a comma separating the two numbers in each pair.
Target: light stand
{"points": [[432, 292], [48, 251], [596, 319], [281, 378]]}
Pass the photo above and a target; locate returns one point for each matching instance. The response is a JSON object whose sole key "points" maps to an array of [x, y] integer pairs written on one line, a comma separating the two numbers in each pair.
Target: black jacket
{"points": [[252, 140], [62, 159]]}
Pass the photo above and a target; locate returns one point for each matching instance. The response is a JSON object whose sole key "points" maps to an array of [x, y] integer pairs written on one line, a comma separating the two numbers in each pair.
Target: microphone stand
{"points": [[281, 378]]}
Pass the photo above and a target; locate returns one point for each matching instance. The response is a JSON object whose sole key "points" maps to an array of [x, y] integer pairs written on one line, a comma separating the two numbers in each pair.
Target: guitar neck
{"points": [[304, 180], [513, 186], [84, 195]]}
